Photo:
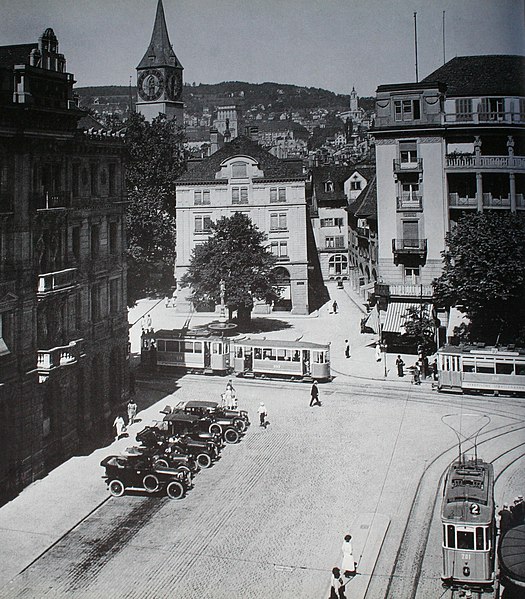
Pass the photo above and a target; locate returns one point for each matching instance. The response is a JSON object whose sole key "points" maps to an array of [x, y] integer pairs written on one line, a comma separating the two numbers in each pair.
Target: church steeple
{"points": [[159, 75], [160, 52]]}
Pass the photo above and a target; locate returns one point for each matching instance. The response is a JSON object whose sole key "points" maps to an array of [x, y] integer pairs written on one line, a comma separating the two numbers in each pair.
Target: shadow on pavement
{"points": [[263, 325]]}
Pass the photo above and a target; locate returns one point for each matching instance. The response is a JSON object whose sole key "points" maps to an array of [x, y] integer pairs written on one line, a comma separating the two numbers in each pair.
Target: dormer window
{"points": [[407, 110], [329, 186], [239, 170]]}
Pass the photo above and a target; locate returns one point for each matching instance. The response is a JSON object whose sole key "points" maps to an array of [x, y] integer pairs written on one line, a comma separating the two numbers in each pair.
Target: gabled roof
{"points": [[365, 205], [159, 52], [17, 54], [337, 175], [272, 167], [498, 75]]}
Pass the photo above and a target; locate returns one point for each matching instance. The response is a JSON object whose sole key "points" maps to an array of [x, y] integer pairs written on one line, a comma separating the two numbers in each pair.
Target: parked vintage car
{"points": [[204, 452], [197, 427], [136, 473], [164, 456], [223, 419]]}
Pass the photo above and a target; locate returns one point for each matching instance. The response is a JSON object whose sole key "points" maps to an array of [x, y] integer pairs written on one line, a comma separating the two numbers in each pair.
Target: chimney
{"points": [[214, 140]]}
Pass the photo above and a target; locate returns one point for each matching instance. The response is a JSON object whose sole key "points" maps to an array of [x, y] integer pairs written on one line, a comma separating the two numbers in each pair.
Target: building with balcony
{"points": [[63, 317], [243, 177], [450, 144]]}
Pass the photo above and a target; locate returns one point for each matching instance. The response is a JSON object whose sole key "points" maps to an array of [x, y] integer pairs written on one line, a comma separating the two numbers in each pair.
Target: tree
{"points": [[484, 275], [156, 159], [420, 328], [235, 253]]}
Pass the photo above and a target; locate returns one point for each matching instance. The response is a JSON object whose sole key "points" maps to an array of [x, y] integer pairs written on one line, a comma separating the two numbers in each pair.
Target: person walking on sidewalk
{"points": [[348, 565], [132, 411], [347, 349], [120, 426], [262, 415], [378, 352], [334, 307], [314, 395], [337, 585], [400, 364]]}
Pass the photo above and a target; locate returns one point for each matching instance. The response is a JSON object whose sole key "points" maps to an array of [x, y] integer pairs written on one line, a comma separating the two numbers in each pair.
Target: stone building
{"points": [[63, 317], [243, 177]]}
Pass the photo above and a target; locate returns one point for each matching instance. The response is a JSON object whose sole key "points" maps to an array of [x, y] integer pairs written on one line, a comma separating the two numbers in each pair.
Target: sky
{"points": [[332, 44]]}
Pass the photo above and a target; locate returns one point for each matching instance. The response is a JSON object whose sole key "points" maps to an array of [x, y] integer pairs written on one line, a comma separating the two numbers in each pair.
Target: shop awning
{"points": [[397, 312]]}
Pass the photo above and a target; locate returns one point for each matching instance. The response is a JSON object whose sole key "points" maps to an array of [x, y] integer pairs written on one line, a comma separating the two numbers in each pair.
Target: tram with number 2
{"points": [[201, 351], [477, 368]]}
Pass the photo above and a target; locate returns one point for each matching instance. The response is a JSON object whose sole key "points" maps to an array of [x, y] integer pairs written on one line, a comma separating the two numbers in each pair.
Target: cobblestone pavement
{"points": [[268, 519]]}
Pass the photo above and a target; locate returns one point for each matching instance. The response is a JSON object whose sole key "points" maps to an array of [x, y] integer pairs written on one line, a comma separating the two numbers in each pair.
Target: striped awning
{"points": [[397, 312]]}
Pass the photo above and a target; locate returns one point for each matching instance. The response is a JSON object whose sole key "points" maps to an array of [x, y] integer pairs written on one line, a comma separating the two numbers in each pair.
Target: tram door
{"points": [[248, 358], [306, 361], [207, 354]]}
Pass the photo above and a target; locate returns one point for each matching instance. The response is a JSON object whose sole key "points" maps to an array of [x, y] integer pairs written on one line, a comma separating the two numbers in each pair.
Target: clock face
{"points": [[174, 85], [150, 84]]}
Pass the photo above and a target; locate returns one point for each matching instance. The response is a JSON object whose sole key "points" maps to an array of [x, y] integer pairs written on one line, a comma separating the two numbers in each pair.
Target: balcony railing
{"points": [[415, 166], [48, 200], [520, 200], [56, 281], [363, 232], [407, 290], [409, 246], [413, 201], [64, 355], [457, 201], [468, 118], [489, 163], [492, 202]]}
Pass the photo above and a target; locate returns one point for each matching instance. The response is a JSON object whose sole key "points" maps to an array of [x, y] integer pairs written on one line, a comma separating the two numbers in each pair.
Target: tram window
{"points": [[451, 539], [468, 367], [198, 347], [485, 368], [520, 369], [161, 345], [257, 354], [318, 357], [479, 538], [217, 348], [238, 353], [172, 346], [465, 539], [444, 535], [296, 356], [188, 347], [504, 368]]}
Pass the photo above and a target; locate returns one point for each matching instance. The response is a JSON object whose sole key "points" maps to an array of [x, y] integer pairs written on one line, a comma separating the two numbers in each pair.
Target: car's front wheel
{"points": [[216, 428], [204, 460], [161, 463], [231, 436], [151, 483], [239, 424], [116, 488], [175, 490]]}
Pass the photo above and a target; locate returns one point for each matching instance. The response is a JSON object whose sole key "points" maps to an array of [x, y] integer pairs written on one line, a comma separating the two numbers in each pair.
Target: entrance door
{"points": [[248, 358], [306, 361], [207, 354]]}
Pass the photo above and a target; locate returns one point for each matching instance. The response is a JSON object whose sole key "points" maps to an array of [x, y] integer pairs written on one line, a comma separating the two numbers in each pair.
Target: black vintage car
{"points": [[138, 474], [196, 427], [204, 452], [222, 420], [163, 456]]}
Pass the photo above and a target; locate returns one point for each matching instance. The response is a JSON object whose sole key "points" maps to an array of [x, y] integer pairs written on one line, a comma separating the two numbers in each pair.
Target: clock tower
{"points": [[159, 76]]}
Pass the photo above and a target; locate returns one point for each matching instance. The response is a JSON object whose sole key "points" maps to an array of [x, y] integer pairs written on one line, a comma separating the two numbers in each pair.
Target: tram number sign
{"points": [[474, 509]]}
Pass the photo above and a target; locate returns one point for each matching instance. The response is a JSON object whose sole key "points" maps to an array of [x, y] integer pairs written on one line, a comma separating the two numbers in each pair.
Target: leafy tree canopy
{"points": [[484, 275], [420, 328], [235, 253], [155, 159]]}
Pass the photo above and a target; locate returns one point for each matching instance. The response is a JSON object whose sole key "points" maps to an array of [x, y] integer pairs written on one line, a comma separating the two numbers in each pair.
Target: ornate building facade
{"points": [[63, 316]]}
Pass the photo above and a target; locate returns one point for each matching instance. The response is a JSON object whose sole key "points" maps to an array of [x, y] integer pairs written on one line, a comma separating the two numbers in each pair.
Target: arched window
{"points": [[338, 265], [239, 170]]}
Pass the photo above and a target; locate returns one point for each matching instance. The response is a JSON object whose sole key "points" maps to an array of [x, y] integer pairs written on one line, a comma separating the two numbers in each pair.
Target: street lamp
{"points": [[384, 348], [222, 314]]}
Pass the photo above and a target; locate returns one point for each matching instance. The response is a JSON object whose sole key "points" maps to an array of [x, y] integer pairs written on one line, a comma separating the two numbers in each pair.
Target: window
{"points": [[332, 222], [410, 190], [76, 180], [201, 197], [114, 303], [279, 249], [202, 223], [355, 185], [95, 302], [239, 170], [412, 275], [95, 241], [197, 198], [451, 540], [282, 194], [337, 241], [492, 109], [277, 194], [112, 178], [464, 109], [273, 194], [407, 110], [480, 540], [113, 237], [408, 152], [329, 186], [410, 233], [94, 179], [239, 195], [338, 265], [75, 242], [4, 333], [504, 368], [278, 221], [465, 539]]}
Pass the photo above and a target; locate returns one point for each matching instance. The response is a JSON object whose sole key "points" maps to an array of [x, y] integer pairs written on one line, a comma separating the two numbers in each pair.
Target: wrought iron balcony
{"points": [[53, 282], [408, 202], [484, 163], [409, 246], [49, 200], [58, 357], [414, 166]]}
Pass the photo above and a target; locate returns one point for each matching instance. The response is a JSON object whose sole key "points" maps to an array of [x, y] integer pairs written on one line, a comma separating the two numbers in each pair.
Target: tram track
{"points": [[413, 550]]}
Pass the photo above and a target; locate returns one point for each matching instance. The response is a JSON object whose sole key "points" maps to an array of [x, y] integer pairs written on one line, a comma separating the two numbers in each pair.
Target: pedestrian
{"points": [[400, 364], [434, 367], [149, 324], [120, 426], [518, 511], [167, 301], [132, 411], [314, 395], [416, 375], [173, 297], [262, 415], [348, 565], [337, 585], [505, 520], [378, 352], [347, 349], [334, 307], [424, 367]]}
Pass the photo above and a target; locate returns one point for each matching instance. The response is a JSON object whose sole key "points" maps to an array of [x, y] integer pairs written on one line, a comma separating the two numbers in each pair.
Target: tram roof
{"points": [[184, 334], [482, 349], [282, 344], [469, 483]]}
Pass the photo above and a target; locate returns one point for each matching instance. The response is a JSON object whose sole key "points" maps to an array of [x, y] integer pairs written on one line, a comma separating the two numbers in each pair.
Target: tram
{"points": [[469, 528], [201, 351], [474, 368], [300, 360]]}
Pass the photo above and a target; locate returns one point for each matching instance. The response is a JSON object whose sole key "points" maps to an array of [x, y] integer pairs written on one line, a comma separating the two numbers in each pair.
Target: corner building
{"points": [[63, 317], [450, 144], [243, 177]]}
